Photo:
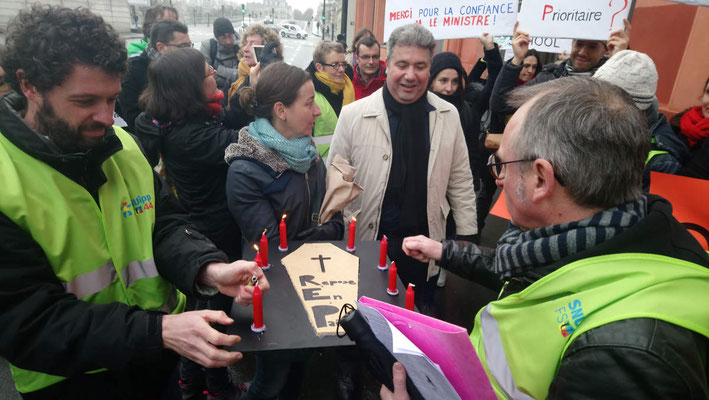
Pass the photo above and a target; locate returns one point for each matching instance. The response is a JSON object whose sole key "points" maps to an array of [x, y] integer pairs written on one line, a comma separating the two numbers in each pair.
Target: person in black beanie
{"points": [[449, 81], [221, 52]]}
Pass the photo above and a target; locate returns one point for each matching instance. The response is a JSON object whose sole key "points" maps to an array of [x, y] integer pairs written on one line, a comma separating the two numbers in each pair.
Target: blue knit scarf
{"points": [[299, 153]]}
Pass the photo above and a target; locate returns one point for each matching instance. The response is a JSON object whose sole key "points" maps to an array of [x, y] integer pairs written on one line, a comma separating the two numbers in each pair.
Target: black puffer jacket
{"points": [[193, 154], [639, 358], [132, 86], [261, 187], [46, 329]]}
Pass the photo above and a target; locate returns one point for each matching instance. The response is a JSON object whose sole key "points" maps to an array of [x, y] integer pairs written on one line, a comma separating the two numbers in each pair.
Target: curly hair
{"points": [[267, 36], [45, 42], [167, 101]]}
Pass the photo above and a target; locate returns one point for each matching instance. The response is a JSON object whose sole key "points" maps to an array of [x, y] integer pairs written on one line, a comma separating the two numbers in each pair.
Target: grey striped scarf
{"points": [[519, 250], [569, 69]]}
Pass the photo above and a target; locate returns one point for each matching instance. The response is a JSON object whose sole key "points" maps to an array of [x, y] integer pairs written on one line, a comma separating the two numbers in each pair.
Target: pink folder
{"points": [[445, 344]]}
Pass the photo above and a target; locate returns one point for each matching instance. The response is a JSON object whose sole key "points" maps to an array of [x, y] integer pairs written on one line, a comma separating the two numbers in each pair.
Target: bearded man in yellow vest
{"points": [[603, 294], [91, 240]]}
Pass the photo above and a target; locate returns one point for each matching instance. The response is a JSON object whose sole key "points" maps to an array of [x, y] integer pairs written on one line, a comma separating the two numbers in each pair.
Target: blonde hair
{"points": [[324, 48]]}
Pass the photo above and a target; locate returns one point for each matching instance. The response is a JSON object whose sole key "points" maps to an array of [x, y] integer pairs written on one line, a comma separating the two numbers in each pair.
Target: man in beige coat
{"points": [[411, 158]]}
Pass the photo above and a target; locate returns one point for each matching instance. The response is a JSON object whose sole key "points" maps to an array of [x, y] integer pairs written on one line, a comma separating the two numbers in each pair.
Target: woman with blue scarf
{"points": [[275, 169]]}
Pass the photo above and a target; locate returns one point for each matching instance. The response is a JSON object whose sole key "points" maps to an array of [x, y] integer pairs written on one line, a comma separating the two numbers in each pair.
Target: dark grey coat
{"points": [[261, 187]]}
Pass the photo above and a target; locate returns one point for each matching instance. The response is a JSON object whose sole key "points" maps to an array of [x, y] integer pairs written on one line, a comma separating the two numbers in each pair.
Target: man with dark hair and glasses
{"points": [[333, 90], [603, 294], [166, 35], [370, 70]]}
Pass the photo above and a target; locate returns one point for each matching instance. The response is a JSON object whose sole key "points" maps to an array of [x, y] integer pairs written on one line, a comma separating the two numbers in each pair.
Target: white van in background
{"points": [[294, 31]]}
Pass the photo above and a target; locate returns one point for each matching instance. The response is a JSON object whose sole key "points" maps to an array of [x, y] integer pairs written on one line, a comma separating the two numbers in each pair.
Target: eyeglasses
{"points": [[336, 65], [181, 45], [366, 58], [211, 72], [497, 167]]}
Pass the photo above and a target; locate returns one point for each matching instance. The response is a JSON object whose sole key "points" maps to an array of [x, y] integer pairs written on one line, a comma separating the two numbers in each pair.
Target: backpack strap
{"points": [[213, 51]]}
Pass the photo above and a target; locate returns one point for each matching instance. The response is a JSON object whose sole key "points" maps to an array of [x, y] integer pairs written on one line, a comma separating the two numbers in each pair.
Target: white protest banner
{"points": [[588, 19], [549, 45], [455, 19]]}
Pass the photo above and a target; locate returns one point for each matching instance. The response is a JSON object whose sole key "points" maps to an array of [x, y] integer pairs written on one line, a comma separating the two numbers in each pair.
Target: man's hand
{"points": [[189, 334], [232, 279], [487, 41], [422, 248], [520, 44], [619, 40], [399, 385]]}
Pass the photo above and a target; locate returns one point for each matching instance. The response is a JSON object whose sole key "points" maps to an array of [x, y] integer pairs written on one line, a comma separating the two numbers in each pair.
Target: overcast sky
{"points": [[303, 5]]}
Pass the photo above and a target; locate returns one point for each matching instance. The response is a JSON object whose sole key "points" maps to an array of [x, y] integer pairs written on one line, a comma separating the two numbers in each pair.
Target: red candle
{"points": [[350, 239], [264, 250], [258, 325], [283, 246], [410, 297], [383, 253], [392, 290], [258, 260]]}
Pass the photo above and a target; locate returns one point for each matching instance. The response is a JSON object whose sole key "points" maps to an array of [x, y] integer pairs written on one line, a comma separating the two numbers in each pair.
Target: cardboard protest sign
{"points": [[453, 19], [590, 19], [499, 209], [688, 197], [545, 44], [325, 278]]}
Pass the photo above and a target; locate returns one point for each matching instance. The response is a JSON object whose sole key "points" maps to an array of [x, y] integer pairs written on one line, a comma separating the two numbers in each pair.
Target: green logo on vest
{"points": [[139, 205], [569, 317]]}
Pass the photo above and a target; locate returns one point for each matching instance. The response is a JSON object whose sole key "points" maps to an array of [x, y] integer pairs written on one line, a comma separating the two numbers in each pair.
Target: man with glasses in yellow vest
{"points": [[91, 240], [603, 294]]}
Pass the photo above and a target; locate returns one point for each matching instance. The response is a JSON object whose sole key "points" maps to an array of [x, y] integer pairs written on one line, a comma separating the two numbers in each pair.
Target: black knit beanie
{"points": [[447, 60], [222, 26]]}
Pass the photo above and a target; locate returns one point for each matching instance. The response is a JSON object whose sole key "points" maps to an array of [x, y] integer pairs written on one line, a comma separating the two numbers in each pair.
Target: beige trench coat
{"points": [[362, 137]]}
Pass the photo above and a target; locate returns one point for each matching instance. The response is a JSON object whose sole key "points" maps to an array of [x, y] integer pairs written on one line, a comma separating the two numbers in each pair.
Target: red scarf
{"points": [[694, 126], [214, 107]]}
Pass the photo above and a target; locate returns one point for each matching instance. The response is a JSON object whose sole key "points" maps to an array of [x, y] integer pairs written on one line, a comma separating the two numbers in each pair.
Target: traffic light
{"points": [[323, 18], [243, 9]]}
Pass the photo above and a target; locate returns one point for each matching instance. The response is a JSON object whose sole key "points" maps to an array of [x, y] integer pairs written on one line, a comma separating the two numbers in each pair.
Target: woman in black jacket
{"points": [[275, 169], [183, 102]]}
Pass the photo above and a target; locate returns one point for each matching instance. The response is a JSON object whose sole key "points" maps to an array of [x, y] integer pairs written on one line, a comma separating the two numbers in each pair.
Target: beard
{"points": [[68, 138]]}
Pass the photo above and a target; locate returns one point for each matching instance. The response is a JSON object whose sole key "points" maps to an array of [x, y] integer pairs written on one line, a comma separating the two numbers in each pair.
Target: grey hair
{"points": [[591, 132], [410, 35], [324, 48]]}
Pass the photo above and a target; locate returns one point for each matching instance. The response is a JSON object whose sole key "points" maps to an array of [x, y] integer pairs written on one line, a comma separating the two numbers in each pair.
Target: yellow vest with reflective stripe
{"points": [[102, 253], [522, 338], [324, 127]]}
